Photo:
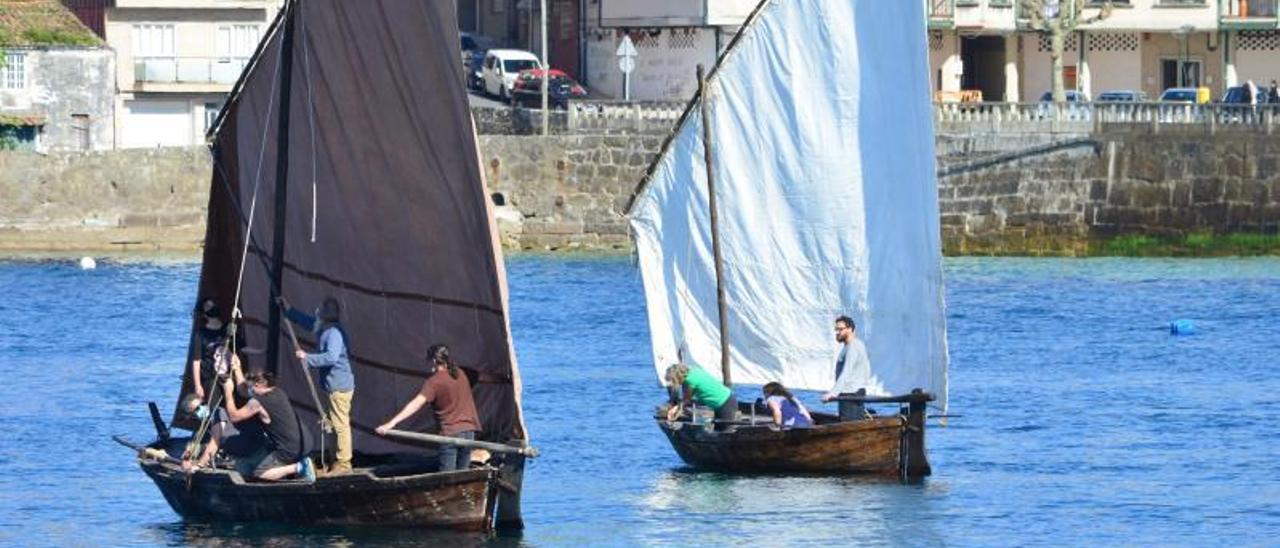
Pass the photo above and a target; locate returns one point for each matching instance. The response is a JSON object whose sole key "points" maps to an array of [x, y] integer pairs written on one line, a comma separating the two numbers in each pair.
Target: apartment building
{"points": [[176, 61], [1148, 45]]}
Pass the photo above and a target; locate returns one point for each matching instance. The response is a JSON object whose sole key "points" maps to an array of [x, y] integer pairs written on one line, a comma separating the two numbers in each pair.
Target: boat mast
{"points": [[282, 187], [715, 227]]}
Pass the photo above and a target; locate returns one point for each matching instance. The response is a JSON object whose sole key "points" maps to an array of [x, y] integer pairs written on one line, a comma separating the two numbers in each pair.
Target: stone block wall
{"points": [[1047, 194], [1055, 199], [567, 191]]}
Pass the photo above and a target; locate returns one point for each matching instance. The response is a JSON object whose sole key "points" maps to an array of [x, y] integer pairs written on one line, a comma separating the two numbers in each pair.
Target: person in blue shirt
{"points": [[332, 359], [787, 411]]}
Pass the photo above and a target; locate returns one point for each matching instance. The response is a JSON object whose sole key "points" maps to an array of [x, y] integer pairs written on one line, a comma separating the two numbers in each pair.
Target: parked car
{"points": [[501, 67], [527, 89], [1073, 96], [1122, 96], [474, 70], [1193, 96], [472, 43], [1073, 110], [1239, 95]]}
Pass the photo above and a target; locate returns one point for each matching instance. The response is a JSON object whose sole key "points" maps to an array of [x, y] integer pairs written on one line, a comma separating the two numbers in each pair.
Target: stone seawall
{"points": [[1058, 197], [1032, 194]]}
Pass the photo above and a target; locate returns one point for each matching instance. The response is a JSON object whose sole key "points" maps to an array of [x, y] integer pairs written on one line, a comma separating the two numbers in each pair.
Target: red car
{"points": [[527, 90]]}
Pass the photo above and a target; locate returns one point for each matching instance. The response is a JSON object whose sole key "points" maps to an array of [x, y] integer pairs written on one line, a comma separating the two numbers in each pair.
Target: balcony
{"points": [[220, 71], [941, 13], [674, 13], [1247, 14], [196, 4]]}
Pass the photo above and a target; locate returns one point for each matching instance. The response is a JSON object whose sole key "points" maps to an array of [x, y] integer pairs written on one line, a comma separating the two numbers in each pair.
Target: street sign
{"points": [[626, 48], [626, 63]]}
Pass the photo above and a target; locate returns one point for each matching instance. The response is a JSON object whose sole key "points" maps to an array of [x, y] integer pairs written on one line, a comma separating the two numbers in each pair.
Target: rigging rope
{"points": [[236, 312], [311, 120]]}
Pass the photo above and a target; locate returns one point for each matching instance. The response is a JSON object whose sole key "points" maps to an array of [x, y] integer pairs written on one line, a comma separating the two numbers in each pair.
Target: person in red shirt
{"points": [[449, 393]]}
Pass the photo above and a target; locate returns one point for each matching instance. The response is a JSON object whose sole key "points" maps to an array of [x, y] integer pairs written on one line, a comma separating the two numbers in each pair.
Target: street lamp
{"points": [[1183, 33]]}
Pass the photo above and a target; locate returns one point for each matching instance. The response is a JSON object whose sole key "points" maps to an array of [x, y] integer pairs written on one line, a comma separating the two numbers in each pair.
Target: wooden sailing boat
{"points": [[346, 165], [799, 186]]}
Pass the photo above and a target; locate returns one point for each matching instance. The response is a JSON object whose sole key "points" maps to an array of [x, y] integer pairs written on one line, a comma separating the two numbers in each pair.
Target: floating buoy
{"points": [[1181, 327], [87, 263]]}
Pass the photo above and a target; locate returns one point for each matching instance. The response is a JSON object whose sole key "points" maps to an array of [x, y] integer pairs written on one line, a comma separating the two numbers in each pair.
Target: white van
{"points": [[501, 67]]}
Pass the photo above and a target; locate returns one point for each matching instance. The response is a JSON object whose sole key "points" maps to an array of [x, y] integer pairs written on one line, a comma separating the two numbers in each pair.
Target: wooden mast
{"points": [[282, 190], [715, 227]]}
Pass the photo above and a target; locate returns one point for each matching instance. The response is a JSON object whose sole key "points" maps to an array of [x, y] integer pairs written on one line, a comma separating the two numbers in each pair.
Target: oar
{"points": [[142, 450], [530, 452]]}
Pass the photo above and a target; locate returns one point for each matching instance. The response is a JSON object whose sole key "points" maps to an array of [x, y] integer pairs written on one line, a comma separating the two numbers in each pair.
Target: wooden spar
{"points": [[715, 227], [279, 232], [141, 450], [282, 188], [529, 451]]}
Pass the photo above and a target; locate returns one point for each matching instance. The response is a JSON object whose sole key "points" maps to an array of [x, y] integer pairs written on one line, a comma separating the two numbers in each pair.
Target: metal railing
{"points": [[188, 70], [941, 9], [1038, 116], [609, 116]]}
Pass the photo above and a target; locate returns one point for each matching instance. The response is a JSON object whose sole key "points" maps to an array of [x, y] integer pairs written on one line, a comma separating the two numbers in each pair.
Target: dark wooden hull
{"points": [[462, 500], [882, 445]]}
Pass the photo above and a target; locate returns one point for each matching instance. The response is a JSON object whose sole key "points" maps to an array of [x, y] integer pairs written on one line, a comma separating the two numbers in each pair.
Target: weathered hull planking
{"points": [[462, 500], [890, 445]]}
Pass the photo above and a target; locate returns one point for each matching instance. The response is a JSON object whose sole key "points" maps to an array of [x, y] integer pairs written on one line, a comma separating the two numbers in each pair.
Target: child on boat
{"points": [[787, 411]]}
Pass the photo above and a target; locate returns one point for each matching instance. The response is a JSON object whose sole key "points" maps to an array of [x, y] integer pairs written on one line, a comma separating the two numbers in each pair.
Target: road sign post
{"points": [[626, 63]]}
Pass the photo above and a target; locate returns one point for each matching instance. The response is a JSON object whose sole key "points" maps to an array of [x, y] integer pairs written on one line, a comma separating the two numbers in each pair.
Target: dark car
{"points": [[474, 68], [1239, 95], [1122, 96], [527, 89]]}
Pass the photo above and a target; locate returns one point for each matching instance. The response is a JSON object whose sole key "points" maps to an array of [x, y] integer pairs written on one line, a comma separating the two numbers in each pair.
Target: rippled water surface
{"points": [[1083, 420]]}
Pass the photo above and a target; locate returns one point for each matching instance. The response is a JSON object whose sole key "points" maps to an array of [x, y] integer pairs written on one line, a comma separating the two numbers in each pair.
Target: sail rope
{"points": [[311, 120], [257, 182], [236, 312]]}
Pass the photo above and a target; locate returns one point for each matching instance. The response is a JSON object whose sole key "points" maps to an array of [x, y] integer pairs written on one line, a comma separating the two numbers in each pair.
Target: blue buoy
{"points": [[1182, 327]]}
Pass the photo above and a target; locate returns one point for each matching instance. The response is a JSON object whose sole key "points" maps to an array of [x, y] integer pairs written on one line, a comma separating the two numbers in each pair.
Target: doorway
{"points": [[983, 61], [1180, 73]]}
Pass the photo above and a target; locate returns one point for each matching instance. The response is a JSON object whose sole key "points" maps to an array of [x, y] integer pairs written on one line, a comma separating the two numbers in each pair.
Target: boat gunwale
{"points": [[363, 480]]}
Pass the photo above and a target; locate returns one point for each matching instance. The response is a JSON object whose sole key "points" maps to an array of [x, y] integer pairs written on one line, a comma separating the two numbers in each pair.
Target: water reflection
{"points": [[819, 508], [271, 535]]}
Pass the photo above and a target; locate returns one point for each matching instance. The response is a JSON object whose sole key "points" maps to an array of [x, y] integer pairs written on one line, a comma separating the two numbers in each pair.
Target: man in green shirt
{"points": [[695, 385]]}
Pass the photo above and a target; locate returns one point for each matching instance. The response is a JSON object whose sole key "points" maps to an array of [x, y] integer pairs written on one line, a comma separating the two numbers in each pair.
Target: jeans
{"points": [[453, 457]]}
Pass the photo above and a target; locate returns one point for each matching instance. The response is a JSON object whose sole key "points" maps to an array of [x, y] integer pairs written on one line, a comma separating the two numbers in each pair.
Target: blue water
{"points": [[1083, 420]]}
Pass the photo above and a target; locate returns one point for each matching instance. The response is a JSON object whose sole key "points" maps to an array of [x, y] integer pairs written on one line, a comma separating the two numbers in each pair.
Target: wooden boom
{"points": [[530, 451]]}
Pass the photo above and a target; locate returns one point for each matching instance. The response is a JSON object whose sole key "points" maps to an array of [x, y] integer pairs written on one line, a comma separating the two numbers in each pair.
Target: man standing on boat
{"points": [[282, 454], [338, 381], [852, 368]]}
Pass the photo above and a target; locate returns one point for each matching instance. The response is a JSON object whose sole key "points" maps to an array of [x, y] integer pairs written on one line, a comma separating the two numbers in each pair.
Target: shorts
{"points": [[259, 462]]}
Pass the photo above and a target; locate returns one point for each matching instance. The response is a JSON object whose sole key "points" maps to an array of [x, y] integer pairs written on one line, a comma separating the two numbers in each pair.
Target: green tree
{"points": [[1058, 19]]}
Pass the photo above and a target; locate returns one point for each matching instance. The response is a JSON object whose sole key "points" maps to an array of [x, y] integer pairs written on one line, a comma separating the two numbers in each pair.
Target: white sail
{"points": [[822, 135]]}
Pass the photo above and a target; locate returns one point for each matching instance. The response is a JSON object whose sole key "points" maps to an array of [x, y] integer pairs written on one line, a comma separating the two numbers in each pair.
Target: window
{"points": [[13, 73], [81, 126], [153, 41], [236, 40], [211, 114]]}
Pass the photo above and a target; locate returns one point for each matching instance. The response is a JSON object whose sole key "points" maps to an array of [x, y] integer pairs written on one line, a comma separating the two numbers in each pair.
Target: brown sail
{"points": [[346, 166]]}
